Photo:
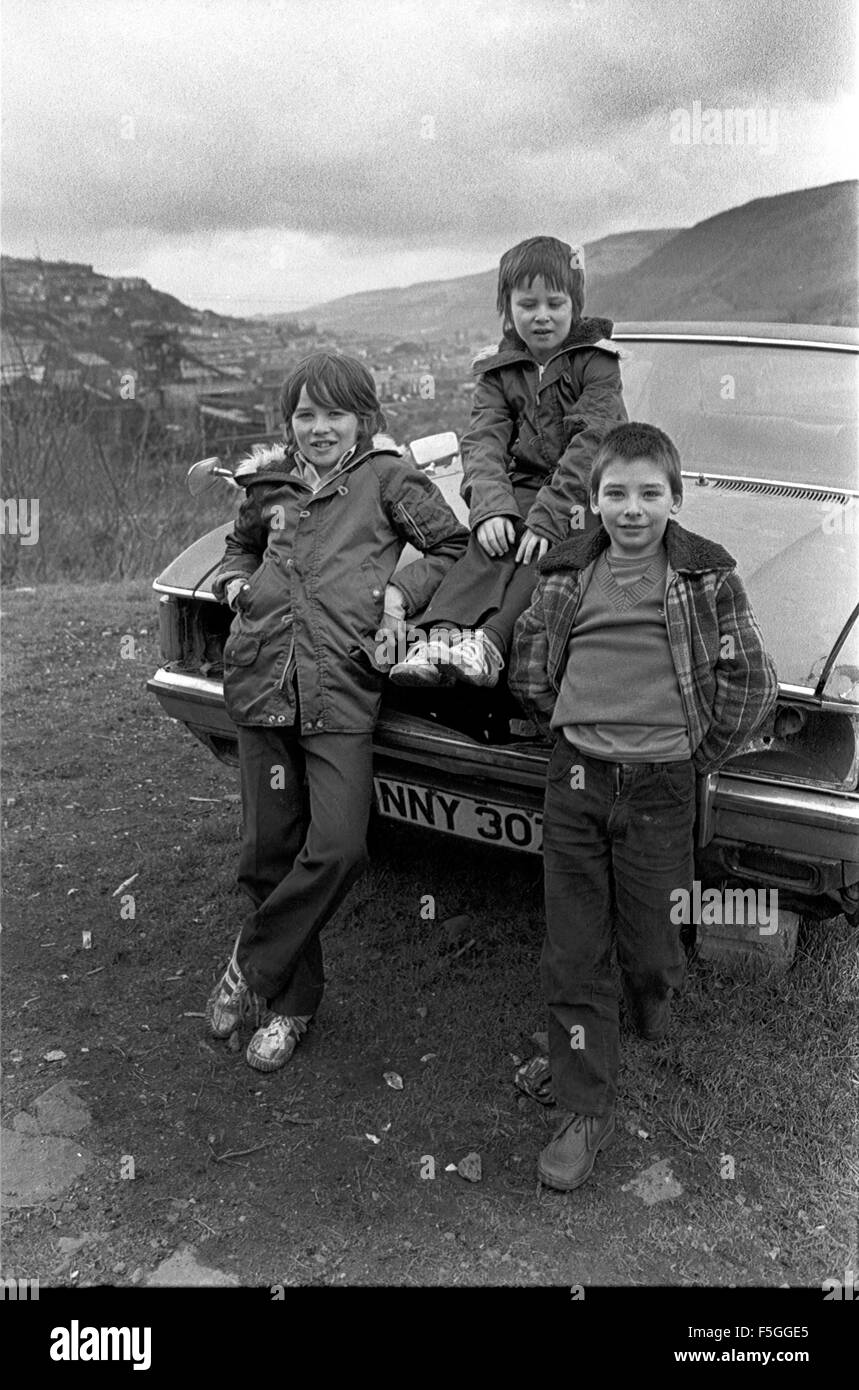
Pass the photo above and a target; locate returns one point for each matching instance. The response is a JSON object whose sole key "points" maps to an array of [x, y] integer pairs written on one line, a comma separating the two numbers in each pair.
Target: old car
{"points": [[765, 419]]}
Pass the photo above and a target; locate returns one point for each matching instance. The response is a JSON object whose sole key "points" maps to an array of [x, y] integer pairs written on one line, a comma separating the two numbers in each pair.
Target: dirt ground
{"points": [[119, 825]]}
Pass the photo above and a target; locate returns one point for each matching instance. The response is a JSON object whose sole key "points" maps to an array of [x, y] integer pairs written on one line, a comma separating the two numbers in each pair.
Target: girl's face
{"points": [[635, 503], [323, 433], [542, 317]]}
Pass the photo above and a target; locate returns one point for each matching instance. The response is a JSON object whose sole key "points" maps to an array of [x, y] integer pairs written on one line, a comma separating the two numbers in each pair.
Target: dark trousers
{"points": [[484, 591], [302, 849], [617, 840]]}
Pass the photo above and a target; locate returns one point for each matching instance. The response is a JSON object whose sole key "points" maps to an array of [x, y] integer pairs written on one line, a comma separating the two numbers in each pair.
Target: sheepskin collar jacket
{"points": [[727, 679]]}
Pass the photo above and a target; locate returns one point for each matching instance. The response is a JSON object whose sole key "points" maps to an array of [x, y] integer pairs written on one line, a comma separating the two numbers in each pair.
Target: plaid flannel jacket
{"points": [[727, 678]]}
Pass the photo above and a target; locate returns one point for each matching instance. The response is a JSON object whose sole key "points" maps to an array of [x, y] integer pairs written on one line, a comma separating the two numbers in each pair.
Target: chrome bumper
{"points": [[794, 823]]}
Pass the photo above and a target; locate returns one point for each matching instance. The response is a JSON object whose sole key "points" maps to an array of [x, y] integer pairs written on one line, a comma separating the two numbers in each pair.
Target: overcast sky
{"points": [[255, 155]]}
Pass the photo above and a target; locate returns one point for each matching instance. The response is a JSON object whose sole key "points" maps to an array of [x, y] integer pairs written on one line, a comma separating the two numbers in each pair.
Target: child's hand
{"points": [[531, 547], [496, 535], [395, 604], [232, 591], [392, 634]]}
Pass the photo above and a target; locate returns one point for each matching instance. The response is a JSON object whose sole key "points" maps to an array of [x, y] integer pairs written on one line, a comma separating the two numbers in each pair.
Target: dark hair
{"points": [[637, 440], [333, 379], [545, 256]]}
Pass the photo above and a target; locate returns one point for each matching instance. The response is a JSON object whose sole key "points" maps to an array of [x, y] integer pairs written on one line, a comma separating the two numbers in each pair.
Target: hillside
{"points": [[440, 308], [789, 258]]}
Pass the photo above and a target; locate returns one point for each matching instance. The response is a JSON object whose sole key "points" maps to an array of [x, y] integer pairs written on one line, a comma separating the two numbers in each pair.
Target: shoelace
{"points": [[473, 649]]}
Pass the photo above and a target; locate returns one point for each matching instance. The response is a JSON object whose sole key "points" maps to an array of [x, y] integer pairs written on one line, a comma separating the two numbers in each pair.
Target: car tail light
{"points": [[170, 628], [807, 747]]}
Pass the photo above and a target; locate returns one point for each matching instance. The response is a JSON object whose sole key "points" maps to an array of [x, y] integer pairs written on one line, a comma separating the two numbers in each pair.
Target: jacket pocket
{"points": [[242, 648]]}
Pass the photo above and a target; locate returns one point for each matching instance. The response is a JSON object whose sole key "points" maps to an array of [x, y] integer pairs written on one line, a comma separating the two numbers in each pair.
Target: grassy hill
{"points": [[786, 259], [439, 308]]}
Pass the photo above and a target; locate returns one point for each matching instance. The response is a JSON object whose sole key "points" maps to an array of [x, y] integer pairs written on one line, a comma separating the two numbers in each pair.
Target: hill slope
{"points": [[439, 308], [789, 258]]}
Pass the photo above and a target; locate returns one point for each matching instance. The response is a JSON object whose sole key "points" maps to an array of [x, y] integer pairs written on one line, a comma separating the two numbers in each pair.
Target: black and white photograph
{"points": [[386, 909]]}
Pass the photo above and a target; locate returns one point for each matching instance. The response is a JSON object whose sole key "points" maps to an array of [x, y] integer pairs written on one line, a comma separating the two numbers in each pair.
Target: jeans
{"points": [[617, 839], [302, 849]]}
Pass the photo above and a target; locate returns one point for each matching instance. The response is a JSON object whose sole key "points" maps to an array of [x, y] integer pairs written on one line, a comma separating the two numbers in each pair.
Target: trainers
{"points": [[476, 660], [568, 1161], [273, 1044], [231, 1001], [420, 666]]}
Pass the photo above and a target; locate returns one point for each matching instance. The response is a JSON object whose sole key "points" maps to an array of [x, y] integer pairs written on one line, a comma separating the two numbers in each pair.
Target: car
{"points": [[765, 419]]}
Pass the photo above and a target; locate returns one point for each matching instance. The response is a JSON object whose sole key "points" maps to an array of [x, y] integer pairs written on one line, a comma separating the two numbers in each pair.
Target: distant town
{"points": [[147, 365]]}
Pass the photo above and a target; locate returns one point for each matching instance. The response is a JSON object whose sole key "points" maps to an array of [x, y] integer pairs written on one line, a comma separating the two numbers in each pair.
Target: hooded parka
{"points": [[538, 429], [317, 564]]}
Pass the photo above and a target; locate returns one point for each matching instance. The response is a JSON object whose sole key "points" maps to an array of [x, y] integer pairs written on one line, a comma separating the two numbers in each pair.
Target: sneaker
{"points": [[231, 1001], [421, 665], [272, 1045], [476, 660], [568, 1161]]}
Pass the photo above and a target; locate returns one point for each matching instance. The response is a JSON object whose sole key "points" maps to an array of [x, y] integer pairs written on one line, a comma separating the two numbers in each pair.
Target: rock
{"points": [[183, 1268], [60, 1110], [755, 942], [23, 1123], [470, 1167], [655, 1184], [235, 1042], [37, 1167], [456, 928], [69, 1245]]}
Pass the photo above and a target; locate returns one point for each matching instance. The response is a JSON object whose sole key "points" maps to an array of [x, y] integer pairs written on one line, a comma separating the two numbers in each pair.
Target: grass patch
{"points": [[100, 786]]}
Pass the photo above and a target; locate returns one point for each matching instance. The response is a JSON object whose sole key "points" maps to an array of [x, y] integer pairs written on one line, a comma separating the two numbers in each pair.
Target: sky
{"points": [[253, 156]]}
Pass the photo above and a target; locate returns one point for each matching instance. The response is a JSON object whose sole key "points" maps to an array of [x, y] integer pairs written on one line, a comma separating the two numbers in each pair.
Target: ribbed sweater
{"points": [[619, 697]]}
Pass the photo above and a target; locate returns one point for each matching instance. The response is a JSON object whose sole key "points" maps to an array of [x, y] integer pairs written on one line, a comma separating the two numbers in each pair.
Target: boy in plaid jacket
{"points": [[640, 652]]}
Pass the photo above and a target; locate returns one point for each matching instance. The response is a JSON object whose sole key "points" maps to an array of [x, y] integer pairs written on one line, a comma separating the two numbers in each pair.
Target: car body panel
{"points": [[785, 812]]}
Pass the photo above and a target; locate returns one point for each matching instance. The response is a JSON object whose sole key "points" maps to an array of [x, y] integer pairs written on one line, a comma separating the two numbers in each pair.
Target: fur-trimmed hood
{"points": [[688, 553], [275, 462]]}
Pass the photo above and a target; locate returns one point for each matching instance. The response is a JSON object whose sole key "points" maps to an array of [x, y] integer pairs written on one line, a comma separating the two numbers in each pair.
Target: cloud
{"points": [[392, 122]]}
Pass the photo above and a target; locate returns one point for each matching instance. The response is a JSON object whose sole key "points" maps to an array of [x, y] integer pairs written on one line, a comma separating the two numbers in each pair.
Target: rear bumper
{"points": [[802, 841]]}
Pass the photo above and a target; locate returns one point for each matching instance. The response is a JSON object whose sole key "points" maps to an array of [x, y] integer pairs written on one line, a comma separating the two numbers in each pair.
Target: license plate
{"points": [[465, 816]]}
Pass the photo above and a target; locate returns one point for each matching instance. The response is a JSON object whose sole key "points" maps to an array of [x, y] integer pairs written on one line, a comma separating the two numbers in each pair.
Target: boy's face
{"points": [[634, 502], [323, 433], [542, 317]]}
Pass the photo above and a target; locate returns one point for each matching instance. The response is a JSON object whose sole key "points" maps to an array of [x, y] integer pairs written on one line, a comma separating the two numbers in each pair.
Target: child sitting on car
{"points": [[543, 400], [307, 571], [641, 654]]}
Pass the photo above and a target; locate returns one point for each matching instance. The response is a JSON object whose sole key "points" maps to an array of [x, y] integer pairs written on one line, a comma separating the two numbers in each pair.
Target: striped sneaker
{"points": [[476, 660], [420, 666], [232, 1001], [273, 1044]]}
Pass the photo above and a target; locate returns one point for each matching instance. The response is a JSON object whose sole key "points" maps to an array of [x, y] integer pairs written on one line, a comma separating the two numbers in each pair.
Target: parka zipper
{"points": [[290, 653], [401, 507]]}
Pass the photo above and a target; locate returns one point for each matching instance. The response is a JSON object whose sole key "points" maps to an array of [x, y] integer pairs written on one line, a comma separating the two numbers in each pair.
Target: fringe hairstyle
{"points": [[561, 267], [333, 379], [637, 440]]}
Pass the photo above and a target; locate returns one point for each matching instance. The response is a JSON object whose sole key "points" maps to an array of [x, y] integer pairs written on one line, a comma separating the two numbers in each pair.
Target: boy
{"points": [[544, 398], [641, 653], [308, 571]]}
